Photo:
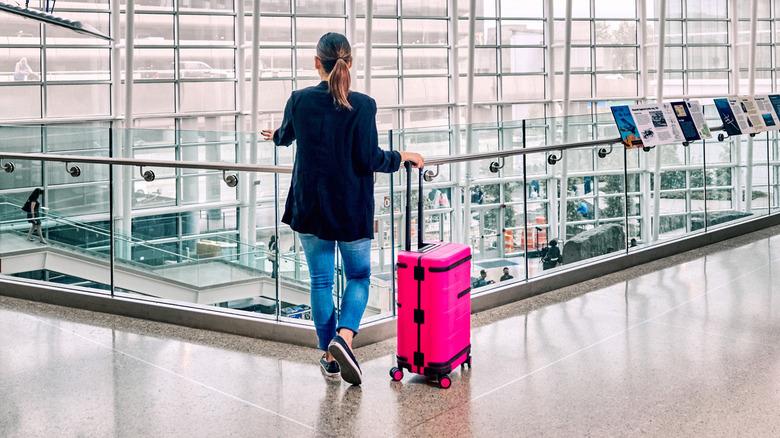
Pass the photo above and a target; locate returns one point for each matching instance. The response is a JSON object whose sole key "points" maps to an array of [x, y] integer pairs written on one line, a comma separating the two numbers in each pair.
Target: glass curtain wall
{"points": [[185, 57]]}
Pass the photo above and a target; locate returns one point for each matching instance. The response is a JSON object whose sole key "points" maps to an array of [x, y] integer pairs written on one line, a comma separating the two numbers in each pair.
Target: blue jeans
{"points": [[321, 258]]}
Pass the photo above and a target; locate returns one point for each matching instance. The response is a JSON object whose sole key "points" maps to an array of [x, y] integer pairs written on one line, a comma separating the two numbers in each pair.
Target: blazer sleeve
{"points": [[285, 135], [369, 156]]}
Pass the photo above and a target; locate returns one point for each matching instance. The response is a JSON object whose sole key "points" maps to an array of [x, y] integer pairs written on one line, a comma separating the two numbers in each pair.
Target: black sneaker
{"points": [[350, 370], [331, 369]]}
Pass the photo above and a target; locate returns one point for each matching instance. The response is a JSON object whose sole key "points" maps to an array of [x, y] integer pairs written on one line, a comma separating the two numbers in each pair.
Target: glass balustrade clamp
{"points": [[495, 167], [230, 180], [148, 176], [552, 159], [74, 171], [428, 175], [8, 167]]}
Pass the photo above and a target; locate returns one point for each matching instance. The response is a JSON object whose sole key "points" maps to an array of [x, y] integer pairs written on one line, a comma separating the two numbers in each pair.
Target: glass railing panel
{"points": [[511, 135], [773, 169], [668, 166], [736, 170], [760, 182], [78, 139], [637, 227], [381, 301], [193, 254], [512, 242], [280, 246], [51, 245], [576, 210], [22, 139]]}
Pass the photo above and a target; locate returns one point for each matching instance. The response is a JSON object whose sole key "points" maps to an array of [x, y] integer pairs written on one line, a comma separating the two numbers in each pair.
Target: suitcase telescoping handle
{"points": [[420, 243]]}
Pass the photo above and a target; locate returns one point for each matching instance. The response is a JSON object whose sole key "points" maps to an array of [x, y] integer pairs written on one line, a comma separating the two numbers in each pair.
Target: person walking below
{"points": [[22, 70], [272, 247], [331, 198], [33, 209]]}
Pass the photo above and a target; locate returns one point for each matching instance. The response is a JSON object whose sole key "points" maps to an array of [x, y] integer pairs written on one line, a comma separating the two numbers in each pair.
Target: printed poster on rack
{"points": [[768, 113], [627, 126], [734, 120], [749, 107], [685, 119], [698, 118], [775, 100], [657, 124]]}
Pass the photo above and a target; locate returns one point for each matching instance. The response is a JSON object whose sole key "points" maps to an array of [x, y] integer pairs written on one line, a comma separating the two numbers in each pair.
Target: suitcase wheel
{"points": [[445, 382], [396, 373]]}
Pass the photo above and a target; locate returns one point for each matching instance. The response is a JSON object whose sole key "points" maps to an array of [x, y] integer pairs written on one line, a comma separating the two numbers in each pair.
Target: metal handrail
{"points": [[288, 169], [512, 152], [147, 163], [525, 151]]}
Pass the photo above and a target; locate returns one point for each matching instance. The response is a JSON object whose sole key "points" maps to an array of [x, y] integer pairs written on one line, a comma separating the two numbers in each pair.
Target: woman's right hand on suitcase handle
{"points": [[417, 160]]}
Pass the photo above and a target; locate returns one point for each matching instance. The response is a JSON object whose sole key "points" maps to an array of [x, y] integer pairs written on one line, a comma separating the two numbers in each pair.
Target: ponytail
{"points": [[335, 54], [339, 83]]}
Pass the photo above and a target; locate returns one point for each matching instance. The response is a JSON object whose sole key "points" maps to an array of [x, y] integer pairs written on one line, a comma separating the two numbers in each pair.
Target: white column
{"points": [[643, 67], [254, 128], [550, 67], [751, 92], [124, 174], [351, 34], [470, 76], [243, 183], [659, 99], [116, 59], [369, 47], [734, 87], [552, 183], [459, 230], [566, 103], [734, 61], [644, 177], [469, 119]]}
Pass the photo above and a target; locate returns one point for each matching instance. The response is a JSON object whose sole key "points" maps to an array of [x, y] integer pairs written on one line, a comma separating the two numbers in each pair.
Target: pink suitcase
{"points": [[434, 306]]}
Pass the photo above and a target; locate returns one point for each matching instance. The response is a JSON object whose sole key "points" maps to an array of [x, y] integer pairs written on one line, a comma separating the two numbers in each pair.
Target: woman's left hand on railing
{"points": [[267, 134]]}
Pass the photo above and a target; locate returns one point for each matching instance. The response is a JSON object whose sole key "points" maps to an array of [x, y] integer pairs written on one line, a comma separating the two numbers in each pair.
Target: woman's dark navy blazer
{"points": [[332, 191]]}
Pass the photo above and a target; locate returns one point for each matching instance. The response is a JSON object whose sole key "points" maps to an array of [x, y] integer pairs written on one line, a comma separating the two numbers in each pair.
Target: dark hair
{"points": [[553, 242], [335, 54], [482, 272], [34, 195]]}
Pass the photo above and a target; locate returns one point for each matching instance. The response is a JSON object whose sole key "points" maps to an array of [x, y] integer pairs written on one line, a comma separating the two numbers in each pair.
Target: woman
{"points": [[331, 199], [33, 214], [22, 70]]}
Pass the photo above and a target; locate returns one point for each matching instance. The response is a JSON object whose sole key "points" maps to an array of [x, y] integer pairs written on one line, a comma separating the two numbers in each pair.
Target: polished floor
{"points": [[688, 346]]}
